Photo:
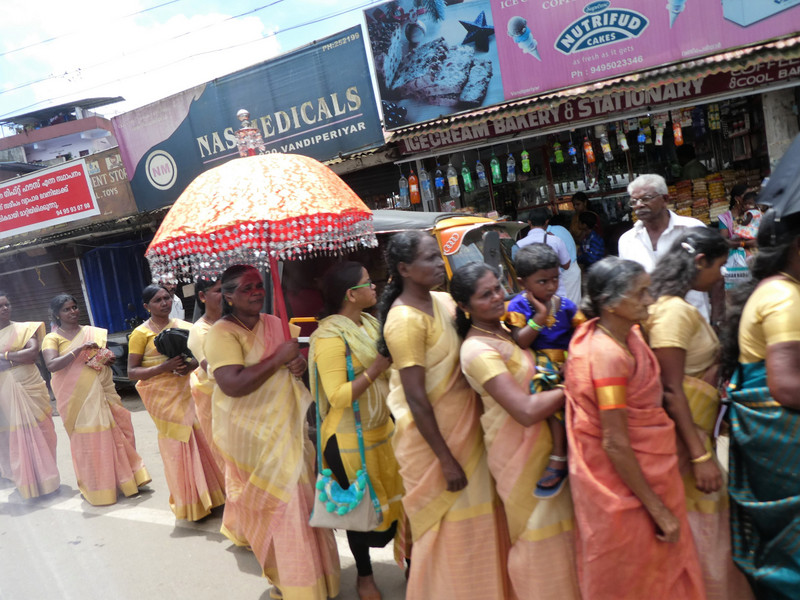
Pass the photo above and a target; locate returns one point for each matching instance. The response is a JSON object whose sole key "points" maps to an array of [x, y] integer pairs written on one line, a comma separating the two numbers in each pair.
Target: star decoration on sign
{"points": [[479, 32]]}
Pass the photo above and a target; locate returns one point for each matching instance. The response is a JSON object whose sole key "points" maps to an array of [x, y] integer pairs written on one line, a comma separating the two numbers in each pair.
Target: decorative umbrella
{"points": [[257, 210]]}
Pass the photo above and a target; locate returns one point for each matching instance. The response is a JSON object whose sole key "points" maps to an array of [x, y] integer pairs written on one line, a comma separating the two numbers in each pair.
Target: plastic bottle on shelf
{"points": [[403, 202], [573, 153], [497, 175], [452, 180], [558, 153], [438, 180], [481, 172], [588, 150], [526, 161], [425, 186], [413, 188], [466, 175], [511, 168], [606, 146]]}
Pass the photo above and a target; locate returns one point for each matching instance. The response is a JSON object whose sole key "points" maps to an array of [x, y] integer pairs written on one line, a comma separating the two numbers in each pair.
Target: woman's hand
{"points": [[707, 476], [379, 365], [453, 474], [297, 366], [176, 364], [287, 352], [87, 346], [668, 527]]}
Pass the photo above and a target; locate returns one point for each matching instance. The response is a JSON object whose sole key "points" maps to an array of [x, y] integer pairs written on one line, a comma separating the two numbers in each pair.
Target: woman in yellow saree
{"points": [[460, 539], [27, 435], [348, 291], [259, 410], [210, 297], [99, 428], [518, 441], [196, 485], [687, 350]]}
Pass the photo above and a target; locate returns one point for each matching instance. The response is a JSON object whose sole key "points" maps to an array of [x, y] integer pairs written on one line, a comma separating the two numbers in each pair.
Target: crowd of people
{"points": [[538, 448]]}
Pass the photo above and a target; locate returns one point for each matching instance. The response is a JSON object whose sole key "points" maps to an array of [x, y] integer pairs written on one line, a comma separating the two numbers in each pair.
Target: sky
{"points": [[52, 52]]}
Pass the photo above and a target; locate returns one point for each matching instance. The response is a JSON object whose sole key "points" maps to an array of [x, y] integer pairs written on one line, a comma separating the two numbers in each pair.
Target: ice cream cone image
{"points": [[519, 32], [675, 7]]}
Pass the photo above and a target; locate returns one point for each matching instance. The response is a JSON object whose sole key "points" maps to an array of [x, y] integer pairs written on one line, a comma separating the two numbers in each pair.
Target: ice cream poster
{"points": [[434, 58], [545, 45]]}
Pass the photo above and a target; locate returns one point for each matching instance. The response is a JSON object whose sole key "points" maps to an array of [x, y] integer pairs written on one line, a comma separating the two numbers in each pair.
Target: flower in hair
{"points": [[688, 247]]}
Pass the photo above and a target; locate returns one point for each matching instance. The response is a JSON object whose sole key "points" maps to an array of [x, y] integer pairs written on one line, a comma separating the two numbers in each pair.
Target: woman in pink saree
{"points": [[99, 427], [27, 435], [633, 538]]}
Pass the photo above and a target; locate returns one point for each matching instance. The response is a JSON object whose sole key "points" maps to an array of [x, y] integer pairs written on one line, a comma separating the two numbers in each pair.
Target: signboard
{"points": [[110, 184], [48, 197], [572, 112], [317, 101], [545, 45]]}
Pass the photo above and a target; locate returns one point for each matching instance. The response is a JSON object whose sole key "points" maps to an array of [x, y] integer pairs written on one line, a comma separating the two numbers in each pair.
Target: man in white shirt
{"points": [[656, 229], [177, 306], [538, 234]]}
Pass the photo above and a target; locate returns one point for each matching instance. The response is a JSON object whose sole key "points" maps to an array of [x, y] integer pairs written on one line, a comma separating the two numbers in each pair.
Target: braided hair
{"points": [[402, 247]]}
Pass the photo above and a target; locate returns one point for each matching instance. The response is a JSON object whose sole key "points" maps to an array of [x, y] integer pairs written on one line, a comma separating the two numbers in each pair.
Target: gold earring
{"points": [[466, 314]]}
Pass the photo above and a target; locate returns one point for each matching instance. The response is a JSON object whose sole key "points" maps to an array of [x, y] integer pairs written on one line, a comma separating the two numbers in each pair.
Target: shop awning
{"points": [[744, 58]]}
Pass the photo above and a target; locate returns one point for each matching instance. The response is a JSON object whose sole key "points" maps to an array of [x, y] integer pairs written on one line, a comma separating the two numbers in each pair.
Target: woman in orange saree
{"points": [[259, 410], [27, 435], [518, 441], [196, 485], [633, 538], [99, 428], [460, 539]]}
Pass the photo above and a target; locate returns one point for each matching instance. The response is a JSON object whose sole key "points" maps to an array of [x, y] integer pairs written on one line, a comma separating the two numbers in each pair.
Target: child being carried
{"points": [[541, 320]]}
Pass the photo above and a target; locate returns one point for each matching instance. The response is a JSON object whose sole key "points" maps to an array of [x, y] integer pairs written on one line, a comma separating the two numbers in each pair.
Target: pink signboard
{"points": [[45, 198], [550, 44], [476, 53]]}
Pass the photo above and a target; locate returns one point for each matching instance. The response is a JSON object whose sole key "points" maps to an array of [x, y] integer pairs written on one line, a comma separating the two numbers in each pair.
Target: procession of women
{"points": [[521, 447]]}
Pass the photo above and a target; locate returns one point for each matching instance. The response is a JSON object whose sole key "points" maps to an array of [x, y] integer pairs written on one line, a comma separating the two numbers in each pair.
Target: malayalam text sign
{"points": [[45, 198]]}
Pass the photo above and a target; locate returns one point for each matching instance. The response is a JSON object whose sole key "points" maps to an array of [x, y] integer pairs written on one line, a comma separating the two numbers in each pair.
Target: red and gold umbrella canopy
{"points": [[256, 209]]}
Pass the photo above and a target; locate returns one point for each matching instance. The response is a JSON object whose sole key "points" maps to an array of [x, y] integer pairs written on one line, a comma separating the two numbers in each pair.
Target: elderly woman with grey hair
{"points": [[635, 542], [656, 229]]}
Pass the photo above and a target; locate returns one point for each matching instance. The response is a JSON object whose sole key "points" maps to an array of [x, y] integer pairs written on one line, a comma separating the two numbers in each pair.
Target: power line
{"points": [[141, 49], [174, 62], [71, 33]]}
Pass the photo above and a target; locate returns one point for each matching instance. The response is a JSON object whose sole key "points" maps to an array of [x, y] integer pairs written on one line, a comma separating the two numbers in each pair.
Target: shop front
{"points": [[703, 128], [703, 117]]}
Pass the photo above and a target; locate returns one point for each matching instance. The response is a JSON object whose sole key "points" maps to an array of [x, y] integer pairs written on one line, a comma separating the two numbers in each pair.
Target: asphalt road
{"points": [[60, 547]]}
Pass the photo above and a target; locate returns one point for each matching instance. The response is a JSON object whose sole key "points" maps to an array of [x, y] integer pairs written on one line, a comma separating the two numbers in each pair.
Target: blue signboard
{"points": [[317, 101]]}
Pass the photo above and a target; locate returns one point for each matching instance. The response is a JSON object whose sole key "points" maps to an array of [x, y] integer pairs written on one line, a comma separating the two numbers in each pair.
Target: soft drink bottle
{"points": [[526, 161], [438, 180], [558, 153], [606, 146], [677, 133], [403, 202], [466, 175], [481, 171], [452, 180], [497, 175], [425, 187], [413, 188], [622, 140], [641, 139], [573, 153], [511, 168], [588, 150]]}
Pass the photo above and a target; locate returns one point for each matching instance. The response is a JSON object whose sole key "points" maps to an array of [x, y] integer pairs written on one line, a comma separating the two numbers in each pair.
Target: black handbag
{"points": [[174, 342]]}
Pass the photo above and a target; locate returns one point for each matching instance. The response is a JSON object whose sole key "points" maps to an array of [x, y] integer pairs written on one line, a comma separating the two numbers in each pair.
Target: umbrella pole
{"points": [[280, 304]]}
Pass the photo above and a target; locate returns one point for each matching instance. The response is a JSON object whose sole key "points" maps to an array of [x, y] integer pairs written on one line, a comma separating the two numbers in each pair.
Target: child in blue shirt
{"points": [[541, 320]]}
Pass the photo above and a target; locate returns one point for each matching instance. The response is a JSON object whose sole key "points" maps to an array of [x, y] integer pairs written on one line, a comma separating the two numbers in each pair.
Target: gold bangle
{"points": [[701, 459], [5, 355], [368, 377]]}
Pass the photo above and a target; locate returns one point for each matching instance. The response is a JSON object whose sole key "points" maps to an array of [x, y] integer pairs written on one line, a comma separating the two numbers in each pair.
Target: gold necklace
{"points": [[612, 336], [789, 277], [153, 325], [495, 334], [240, 323]]}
